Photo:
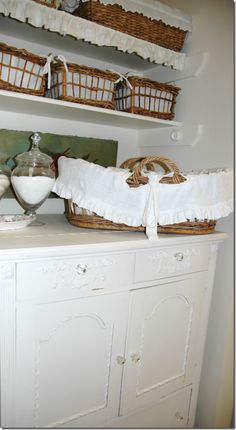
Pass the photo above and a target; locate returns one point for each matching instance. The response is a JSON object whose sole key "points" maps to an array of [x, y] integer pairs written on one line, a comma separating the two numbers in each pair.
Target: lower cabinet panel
{"points": [[170, 412], [163, 341], [67, 366]]}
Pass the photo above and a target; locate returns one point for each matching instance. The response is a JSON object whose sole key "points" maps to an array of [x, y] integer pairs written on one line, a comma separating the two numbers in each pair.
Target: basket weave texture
{"points": [[50, 3], [147, 97], [132, 23], [21, 71], [83, 84], [136, 165]]}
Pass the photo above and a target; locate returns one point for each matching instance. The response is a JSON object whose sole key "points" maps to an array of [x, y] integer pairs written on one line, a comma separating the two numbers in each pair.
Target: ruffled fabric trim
{"points": [[220, 210], [99, 207], [215, 212], [63, 23], [203, 196]]}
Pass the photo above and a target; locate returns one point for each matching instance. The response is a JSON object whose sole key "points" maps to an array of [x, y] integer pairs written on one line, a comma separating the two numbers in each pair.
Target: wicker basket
{"points": [[21, 71], [146, 97], [50, 3], [82, 84], [81, 218], [132, 23]]}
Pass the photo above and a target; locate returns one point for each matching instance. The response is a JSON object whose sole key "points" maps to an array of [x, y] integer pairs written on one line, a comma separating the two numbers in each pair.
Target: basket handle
{"points": [[138, 164], [132, 163]]}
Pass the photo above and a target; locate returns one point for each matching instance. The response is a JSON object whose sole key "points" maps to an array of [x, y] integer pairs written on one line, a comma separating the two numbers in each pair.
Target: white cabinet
{"points": [[91, 339]]}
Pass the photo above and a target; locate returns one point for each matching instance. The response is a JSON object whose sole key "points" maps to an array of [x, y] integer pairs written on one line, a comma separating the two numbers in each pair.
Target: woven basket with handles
{"points": [[137, 165]]}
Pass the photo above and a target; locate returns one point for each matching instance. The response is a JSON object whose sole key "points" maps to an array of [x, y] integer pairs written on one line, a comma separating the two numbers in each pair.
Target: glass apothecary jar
{"points": [[5, 173], [33, 178]]}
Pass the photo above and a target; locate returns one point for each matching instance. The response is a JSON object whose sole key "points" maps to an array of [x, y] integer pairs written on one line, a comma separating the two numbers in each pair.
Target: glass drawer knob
{"points": [[120, 359], [179, 256], [179, 416], [81, 269], [135, 358]]}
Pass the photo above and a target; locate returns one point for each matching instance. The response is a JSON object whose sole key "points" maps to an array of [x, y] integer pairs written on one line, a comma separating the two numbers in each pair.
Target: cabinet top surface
{"points": [[58, 236]]}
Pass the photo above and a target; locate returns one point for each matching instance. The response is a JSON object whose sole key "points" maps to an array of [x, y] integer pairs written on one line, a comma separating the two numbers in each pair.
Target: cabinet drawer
{"points": [[161, 263], [73, 277], [170, 412]]}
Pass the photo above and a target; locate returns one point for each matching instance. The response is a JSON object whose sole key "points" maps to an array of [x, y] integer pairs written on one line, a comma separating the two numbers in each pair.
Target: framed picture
{"points": [[98, 151]]}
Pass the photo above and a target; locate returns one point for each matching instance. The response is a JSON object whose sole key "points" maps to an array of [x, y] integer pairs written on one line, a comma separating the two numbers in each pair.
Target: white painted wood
{"points": [[66, 360], [162, 343], [72, 278], [58, 238], [26, 103], [174, 261], [7, 342], [194, 66], [82, 360], [203, 329], [170, 412]]}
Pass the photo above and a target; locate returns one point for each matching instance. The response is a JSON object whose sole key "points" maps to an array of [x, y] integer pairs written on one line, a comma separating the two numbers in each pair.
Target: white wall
{"points": [[208, 100]]}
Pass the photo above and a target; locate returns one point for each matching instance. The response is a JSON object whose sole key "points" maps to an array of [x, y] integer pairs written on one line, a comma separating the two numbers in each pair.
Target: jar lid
{"points": [[34, 155]]}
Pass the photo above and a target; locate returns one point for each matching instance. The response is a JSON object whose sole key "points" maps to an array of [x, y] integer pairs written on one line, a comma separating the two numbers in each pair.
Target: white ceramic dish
{"points": [[15, 222]]}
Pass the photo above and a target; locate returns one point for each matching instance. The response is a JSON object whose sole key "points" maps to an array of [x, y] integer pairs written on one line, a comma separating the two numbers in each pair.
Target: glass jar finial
{"points": [[35, 139]]}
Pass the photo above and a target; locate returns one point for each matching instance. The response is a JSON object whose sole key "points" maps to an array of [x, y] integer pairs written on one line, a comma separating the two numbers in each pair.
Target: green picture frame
{"points": [[98, 151]]}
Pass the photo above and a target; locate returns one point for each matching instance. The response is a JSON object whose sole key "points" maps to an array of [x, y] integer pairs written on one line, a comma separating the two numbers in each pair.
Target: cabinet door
{"points": [[163, 339], [67, 366]]}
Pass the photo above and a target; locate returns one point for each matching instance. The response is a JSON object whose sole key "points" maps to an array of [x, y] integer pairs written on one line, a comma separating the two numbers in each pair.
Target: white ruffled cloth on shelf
{"points": [[204, 195], [66, 24]]}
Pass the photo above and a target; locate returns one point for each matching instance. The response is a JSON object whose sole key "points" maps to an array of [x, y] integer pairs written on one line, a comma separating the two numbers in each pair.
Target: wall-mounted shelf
{"points": [[41, 106], [43, 42], [59, 22], [194, 65]]}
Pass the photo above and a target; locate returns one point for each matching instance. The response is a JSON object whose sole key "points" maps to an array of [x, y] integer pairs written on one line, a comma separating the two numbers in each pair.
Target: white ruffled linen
{"points": [[207, 195], [63, 23]]}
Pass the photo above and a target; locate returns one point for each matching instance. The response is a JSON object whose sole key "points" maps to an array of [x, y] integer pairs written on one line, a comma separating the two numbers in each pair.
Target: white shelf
{"points": [[22, 35], [41, 17], [40, 106]]}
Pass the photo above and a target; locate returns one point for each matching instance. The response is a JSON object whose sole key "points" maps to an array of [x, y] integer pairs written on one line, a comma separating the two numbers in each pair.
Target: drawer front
{"points": [[73, 277], [170, 412], [161, 263]]}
